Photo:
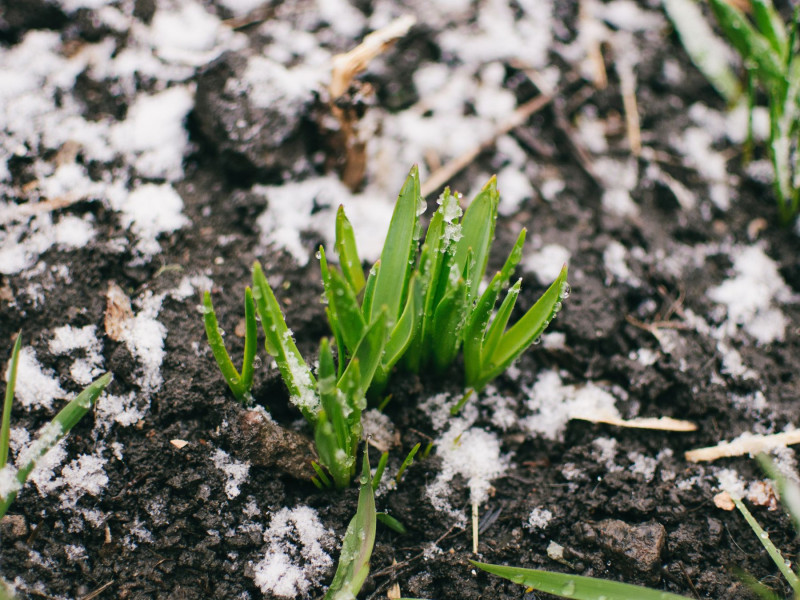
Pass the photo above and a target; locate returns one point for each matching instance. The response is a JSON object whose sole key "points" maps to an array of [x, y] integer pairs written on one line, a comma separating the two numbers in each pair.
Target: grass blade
{"points": [[525, 331], [409, 460], [704, 47], [575, 587], [498, 326], [367, 355], [11, 383], [475, 328], [348, 253], [235, 381], [376, 481], [369, 289], [391, 523], [343, 305], [513, 258], [750, 44], [771, 26], [52, 433], [250, 342], [773, 552], [357, 545], [758, 588], [448, 321], [405, 329], [398, 251], [477, 233], [280, 344]]}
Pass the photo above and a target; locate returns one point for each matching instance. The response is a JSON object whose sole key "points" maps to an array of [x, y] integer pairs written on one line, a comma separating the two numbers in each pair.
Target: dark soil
{"points": [[614, 525]]}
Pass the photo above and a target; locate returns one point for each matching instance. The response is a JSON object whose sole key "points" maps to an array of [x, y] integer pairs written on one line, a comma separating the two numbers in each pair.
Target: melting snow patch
{"points": [[144, 337], [553, 404], [36, 386], [296, 557], [21, 245], [149, 211], [67, 339], [236, 471], [749, 296], [475, 455], [539, 518], [546, 262], [152, 137], [119, 409], [614, 259]]}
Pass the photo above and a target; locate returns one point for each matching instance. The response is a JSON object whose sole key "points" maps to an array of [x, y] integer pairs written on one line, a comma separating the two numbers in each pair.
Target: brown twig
{"points": [[98, 591], [20, 212], [451, 168]]}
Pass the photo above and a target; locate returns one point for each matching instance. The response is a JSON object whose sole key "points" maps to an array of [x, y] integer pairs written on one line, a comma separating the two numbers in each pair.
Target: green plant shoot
{"points": [[358, 542], [576, 587], [13, 478], [240, 384], [769, 50], [416, 308]]}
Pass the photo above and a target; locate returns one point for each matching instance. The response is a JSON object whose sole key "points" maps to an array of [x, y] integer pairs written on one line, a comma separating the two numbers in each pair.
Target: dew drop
{"points": [[518, 579], [205, 309], [537, 341], [257, 362], [318, 255], [568, 588], [566, 290], [764, 535], [222, 332]]}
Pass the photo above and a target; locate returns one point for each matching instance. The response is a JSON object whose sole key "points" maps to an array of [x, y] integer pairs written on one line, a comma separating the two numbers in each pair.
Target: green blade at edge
{"points": [[523, 333], [348, 252], [5, 429], [392, 280], [61, 424], [358, 542], [575, 587], [477, 232]]}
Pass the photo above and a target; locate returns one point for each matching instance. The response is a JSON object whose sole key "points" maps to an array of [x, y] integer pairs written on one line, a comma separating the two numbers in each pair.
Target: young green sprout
{"points": [[358, 542], [769, 50], [417, 308], [13, 478], [575, 587], [240, 384]]}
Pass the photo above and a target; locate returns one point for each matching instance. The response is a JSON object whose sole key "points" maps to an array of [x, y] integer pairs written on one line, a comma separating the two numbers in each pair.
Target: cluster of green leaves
{"points": [[769, 49], [13, 478], [419, 304]]}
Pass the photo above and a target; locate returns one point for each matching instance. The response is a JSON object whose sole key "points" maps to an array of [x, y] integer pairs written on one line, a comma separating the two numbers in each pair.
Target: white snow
{"points": [[154, 139], [750, 296], [37, 387], [21, 244], [546, 262], [539, 518], [553, 404], [236, 471], [149, 211], [84, 475], [615, 261], [123, 409], [473, 454], [144, 336], [378, 429], [67, 339], [296, 556]]}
